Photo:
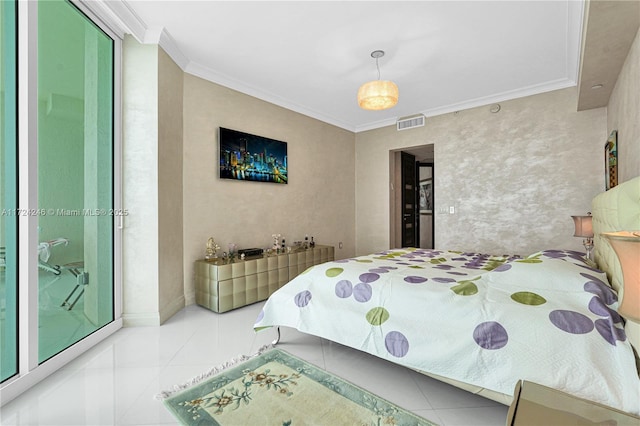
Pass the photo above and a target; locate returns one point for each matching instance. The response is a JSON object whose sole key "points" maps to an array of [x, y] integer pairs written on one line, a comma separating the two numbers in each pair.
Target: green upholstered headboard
{"points": [[616, 210]]}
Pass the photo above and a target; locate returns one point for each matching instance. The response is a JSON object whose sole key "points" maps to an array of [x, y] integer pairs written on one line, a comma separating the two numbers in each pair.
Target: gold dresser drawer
{"points": [[222, 286]]}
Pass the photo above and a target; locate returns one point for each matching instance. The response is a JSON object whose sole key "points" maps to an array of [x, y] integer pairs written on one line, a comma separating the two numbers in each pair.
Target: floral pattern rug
{"points": [[276, 388]]}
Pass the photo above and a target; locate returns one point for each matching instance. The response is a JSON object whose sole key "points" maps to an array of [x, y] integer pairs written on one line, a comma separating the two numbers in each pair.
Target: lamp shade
{"points": [[627, 248], [583, 226], [378, 95]]}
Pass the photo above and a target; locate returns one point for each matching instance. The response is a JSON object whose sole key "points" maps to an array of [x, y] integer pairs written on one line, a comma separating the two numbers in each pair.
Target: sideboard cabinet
{"points": [[222, 285]]}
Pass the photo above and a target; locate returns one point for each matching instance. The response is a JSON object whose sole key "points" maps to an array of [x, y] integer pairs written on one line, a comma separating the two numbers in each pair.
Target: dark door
{"points": [[409, 212]]}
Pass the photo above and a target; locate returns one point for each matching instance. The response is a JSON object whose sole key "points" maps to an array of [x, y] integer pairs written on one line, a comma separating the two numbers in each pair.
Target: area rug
{"points": [[276, 388]]}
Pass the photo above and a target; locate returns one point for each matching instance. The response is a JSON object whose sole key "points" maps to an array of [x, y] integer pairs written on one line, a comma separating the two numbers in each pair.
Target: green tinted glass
{"points": [[8, 192], [75, 177]]}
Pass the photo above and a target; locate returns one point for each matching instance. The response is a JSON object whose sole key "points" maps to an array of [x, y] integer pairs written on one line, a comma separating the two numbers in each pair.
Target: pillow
{"points": [[571, 256]]}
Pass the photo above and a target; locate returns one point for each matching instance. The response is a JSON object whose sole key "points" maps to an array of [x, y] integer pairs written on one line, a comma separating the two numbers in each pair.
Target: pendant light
{"points": [[378, 94]]}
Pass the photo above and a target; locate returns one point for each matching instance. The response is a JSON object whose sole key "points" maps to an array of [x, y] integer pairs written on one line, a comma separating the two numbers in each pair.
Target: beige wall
{"points": [[623, 114], [170, 184], [514, 177], [319, 199]]}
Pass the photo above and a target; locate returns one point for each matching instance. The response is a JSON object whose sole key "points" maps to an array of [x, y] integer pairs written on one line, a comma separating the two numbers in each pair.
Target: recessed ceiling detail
{"points": [[445, 56]]}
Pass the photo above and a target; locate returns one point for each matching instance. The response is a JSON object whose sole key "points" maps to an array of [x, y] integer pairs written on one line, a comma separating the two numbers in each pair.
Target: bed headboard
{"points": [[616, 210]]}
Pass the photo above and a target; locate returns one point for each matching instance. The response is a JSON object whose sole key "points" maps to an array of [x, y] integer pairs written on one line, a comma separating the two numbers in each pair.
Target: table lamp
{"points": [[627, 247], [584, 229]]}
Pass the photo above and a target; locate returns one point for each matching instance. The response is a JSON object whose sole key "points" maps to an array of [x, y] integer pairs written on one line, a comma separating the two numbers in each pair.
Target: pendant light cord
{"points": [[378, 67]]}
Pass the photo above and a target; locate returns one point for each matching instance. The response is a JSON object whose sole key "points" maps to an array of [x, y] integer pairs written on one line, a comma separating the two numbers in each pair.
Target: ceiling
{"points": [[311, 56], [610, 28]]}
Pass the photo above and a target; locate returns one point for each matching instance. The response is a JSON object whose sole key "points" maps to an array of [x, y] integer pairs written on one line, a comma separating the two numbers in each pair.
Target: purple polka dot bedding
{"points": [[484, 320]]}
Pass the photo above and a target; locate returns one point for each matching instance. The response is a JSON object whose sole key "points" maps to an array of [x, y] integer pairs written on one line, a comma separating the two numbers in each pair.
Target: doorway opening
{"points": [[412, 203]]}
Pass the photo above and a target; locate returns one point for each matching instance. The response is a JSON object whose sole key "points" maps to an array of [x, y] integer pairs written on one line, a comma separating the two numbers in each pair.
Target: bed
{"points": [[482, 322]]}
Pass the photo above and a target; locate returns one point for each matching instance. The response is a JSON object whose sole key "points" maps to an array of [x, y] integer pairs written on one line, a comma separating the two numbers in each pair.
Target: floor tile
{"points": [[379, 376], [443, 395], [116, 381], [483, 416]]}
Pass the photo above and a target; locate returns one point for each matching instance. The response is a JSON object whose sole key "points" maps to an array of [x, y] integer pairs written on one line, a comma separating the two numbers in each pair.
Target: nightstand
{"points": [[535, 405]]}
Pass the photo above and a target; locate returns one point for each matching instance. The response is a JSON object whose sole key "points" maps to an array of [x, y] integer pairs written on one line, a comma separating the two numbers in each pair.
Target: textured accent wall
{"points": [[319, 199], [514, 178], [623, 114]]}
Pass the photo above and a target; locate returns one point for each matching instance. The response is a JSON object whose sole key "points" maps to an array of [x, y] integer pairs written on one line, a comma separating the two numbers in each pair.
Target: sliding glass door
{"points": [[8, 192], [59, 188], [75, 177]]}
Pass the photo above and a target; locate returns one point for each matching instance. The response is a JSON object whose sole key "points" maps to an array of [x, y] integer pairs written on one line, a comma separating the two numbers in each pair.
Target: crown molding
{"points": [[162, 38], [226, 81], [118, 16], [478, 102], [170, 46], [576, 13]]}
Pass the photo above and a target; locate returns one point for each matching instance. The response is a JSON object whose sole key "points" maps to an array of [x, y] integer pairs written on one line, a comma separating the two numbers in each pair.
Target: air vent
{"points": [[410, 122]]}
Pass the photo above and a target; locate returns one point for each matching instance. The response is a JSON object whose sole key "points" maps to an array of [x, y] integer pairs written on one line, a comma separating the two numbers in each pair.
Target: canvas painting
{"points": [[425, 198], [244, 156], [611, 160]]}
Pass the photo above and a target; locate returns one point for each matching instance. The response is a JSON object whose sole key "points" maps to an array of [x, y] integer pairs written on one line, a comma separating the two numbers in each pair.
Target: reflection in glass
{"points": [[75, 177]]}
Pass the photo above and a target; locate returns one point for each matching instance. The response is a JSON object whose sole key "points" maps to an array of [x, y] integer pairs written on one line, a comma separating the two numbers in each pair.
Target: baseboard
{"points": [[171, 309], [154, 318], [190, 299], [141, 320]]}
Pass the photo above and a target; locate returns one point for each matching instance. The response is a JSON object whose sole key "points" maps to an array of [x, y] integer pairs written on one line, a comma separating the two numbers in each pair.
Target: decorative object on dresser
{"points": [[627, 247], [223, 285], [535, 405], [584, 229], [251, 252], [276, 242], [211, 251]]}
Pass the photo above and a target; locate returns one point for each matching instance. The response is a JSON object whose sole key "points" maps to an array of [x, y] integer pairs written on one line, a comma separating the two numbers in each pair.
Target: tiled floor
{"points": [[58, 327], [115, 382]]}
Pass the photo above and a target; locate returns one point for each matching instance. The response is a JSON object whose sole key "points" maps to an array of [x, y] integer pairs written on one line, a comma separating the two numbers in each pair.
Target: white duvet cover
{"points": [[483, 320]]}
